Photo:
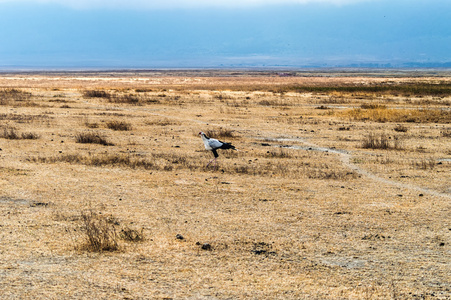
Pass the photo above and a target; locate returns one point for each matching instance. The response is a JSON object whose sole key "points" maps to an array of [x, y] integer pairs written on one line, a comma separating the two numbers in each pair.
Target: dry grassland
{"points": [[340, 188]]}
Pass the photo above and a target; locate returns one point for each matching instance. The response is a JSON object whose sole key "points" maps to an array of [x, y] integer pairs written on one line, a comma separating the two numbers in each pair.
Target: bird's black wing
{"points": [[227, 146]]}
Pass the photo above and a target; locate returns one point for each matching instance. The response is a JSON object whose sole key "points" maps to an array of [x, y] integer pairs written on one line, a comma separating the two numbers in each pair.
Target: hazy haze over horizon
{"points": [[247, 33]]}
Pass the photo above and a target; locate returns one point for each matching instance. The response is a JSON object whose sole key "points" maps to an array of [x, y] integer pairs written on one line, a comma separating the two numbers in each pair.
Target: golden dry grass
{"points": [[415, 115], [301, 211]]}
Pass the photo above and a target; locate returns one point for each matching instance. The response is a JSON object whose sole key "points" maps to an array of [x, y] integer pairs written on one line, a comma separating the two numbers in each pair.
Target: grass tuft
{"points": [[380, 141], [220, 133], [132, 235], [127, 99], [280, 153], [162, 122], [11, 134], [30, 136], [400, 128], [373, 106], [425, 164], [96, 94], [119, 125], [91, 138], [100, 233]]}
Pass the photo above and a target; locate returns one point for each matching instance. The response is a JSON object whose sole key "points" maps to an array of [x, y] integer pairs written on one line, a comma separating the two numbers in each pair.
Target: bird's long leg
{"points": [[214, 159]]}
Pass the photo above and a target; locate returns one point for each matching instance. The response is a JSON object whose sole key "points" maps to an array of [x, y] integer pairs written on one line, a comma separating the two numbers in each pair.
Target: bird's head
{"points": [[203, 135]]}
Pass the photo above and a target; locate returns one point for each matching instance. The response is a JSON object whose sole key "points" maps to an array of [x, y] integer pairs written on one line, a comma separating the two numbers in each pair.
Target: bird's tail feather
{"points": [[228, 146]]}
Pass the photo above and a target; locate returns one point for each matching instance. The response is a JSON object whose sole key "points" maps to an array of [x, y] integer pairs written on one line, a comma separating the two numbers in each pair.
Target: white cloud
{"points": [[156, 4]]}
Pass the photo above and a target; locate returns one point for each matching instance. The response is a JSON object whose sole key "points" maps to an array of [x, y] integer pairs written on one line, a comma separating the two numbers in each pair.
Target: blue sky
{"points": [[201, 33]]}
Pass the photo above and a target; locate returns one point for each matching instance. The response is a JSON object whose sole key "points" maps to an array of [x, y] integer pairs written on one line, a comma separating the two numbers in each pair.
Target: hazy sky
{"points": [[212, 33]]}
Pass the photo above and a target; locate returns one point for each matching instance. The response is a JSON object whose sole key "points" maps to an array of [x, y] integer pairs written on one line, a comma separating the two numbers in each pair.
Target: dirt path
{"points": [[345, 158]]}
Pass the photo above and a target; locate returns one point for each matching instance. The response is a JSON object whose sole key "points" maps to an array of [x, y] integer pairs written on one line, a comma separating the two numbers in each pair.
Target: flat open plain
{"points": [[340, 188]]}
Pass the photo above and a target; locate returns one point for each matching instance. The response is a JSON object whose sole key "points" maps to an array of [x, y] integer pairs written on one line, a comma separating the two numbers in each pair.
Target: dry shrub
{"points": [[220, 133], [162, 122], [140, 99], [334, 98], [30, 136], [244, 169], [119, 125], [127, 99], [425, 164], [11, 134], [331, 174], [143, 90], [119, 160], [273, 103], [92, 124], [222, 96], [10, 95], [380, 141], [132, 235], [280, 153], [400, 128], [446, 132], [373, 106], [100, 233], [91, 138], [96, 94], [26, 119], [133, 99]]}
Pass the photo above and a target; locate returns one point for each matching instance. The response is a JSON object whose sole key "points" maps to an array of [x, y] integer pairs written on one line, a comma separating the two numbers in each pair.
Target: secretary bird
{"points": [[213, 145]]}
